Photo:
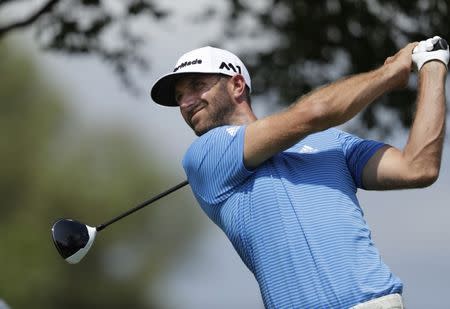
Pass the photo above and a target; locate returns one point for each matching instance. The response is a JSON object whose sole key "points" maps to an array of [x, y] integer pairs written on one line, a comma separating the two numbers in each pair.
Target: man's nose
{"points": [[187, 100]]}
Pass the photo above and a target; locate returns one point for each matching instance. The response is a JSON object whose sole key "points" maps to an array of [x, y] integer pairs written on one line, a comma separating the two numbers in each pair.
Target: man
{"points": [[283, 188]]}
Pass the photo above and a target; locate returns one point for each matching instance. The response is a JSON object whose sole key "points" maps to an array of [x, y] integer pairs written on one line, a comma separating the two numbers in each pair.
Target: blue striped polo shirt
{"points": [[295, 220]]}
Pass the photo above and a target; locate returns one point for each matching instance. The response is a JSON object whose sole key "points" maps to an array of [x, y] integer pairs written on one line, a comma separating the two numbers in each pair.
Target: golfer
{"points": [[283, 188]]}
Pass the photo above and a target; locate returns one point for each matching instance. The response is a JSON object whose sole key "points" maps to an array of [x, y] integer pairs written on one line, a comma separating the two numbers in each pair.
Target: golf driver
{"points": [[73, 239]]}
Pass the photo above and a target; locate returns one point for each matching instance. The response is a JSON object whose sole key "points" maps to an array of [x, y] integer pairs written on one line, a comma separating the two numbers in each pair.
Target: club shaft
{"points": [[142, 205]]}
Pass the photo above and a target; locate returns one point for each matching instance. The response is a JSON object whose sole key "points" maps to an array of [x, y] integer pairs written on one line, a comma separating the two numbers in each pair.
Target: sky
{"points": [[409, 227]]}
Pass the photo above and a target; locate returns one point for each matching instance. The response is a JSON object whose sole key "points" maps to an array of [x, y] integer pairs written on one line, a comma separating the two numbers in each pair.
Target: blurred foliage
{"points": [[311, 42], [317, 42], [87, 27], [51, 168]]}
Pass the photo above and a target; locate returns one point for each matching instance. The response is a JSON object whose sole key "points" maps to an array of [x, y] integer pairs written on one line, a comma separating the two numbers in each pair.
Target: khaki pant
{"points": [[392, 301]]}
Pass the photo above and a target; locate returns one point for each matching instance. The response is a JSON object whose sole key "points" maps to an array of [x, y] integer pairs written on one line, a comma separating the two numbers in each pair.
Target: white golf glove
{"points": [[431, 49]]}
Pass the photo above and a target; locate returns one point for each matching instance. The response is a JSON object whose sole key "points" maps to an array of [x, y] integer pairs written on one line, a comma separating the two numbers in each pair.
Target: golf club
{"points": [[73, 239]]}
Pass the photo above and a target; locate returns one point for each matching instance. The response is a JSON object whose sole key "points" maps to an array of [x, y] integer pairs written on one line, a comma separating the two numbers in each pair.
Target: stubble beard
{"points": [[220, 109]]}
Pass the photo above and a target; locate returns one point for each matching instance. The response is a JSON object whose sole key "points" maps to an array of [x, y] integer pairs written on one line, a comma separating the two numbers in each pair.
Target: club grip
{"points": [[441, 44]]}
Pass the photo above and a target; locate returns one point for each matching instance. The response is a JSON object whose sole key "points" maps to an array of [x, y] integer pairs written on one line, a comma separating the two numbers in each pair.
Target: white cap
{"points": [[203, 60]]}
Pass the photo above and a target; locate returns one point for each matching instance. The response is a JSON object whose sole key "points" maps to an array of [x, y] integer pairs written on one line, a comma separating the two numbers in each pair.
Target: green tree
{"points": [[50, 168]]}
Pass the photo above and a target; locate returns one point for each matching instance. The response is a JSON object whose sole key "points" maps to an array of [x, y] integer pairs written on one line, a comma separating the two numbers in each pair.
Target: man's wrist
{"points": [[395, 76], [433, 66]]}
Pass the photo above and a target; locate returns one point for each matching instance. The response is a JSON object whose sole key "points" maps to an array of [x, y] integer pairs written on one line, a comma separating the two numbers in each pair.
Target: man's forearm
{"points": [[425, 142], [336, 103]]}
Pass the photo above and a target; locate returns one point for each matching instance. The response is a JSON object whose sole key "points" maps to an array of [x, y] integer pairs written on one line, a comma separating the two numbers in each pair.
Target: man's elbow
{"points": [[426, 177]]}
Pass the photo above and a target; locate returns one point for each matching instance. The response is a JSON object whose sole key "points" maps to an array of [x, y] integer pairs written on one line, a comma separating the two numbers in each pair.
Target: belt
{"points": [[391, 301]]}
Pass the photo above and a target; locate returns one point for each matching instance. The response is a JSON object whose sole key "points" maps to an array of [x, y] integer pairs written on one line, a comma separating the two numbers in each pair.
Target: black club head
{"points": [[72, 239]]}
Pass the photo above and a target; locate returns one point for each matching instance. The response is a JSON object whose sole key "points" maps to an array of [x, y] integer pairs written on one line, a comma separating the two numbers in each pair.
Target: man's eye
{"points": [[178, 97], [198, 85]]}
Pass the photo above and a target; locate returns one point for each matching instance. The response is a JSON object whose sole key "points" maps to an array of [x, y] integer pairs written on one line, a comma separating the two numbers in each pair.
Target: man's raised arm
{"points": [[418, 164], [323, 108]]}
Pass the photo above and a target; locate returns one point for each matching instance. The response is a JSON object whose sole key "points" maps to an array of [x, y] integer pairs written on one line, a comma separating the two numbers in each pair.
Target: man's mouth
{"points": [[195, 110]]}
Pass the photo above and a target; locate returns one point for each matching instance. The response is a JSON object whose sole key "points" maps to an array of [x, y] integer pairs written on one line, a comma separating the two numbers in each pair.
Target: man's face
{"points": [[204, 101]]}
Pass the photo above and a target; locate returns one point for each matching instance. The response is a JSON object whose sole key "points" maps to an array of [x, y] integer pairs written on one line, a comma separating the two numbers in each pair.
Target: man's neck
{"points": [[243, 115]]}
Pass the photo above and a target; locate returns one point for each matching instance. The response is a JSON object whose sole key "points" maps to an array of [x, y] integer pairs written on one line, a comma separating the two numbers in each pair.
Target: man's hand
{"points": [[401, 64], [428, 50]]}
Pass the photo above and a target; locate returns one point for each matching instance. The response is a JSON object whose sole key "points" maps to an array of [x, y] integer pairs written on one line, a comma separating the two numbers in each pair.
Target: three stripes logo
{"points": [[233, 130], [308, 149]]}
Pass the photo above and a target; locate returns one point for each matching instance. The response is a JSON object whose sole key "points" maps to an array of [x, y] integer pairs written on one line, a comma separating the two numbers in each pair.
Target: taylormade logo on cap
{"points": [[186, 63], [203, 60]]}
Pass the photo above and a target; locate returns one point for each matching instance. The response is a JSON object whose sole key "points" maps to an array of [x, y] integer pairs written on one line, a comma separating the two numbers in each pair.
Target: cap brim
{"points": [[163, 91]]}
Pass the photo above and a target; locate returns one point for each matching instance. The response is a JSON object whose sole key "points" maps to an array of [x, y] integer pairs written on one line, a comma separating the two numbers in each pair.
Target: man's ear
{"points": [[237, 87]]}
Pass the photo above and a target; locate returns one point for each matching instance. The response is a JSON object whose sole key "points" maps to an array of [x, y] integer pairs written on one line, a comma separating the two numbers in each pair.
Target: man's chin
{"points": [[199, 131]]}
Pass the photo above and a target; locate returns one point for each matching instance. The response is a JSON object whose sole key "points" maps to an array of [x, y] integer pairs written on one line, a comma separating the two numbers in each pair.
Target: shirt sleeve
{"points": [[357, 152], [214, 163]]}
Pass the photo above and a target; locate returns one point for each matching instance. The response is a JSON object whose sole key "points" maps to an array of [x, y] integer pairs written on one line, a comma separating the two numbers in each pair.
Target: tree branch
{"points": [[2, 2], [31, 19]]}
